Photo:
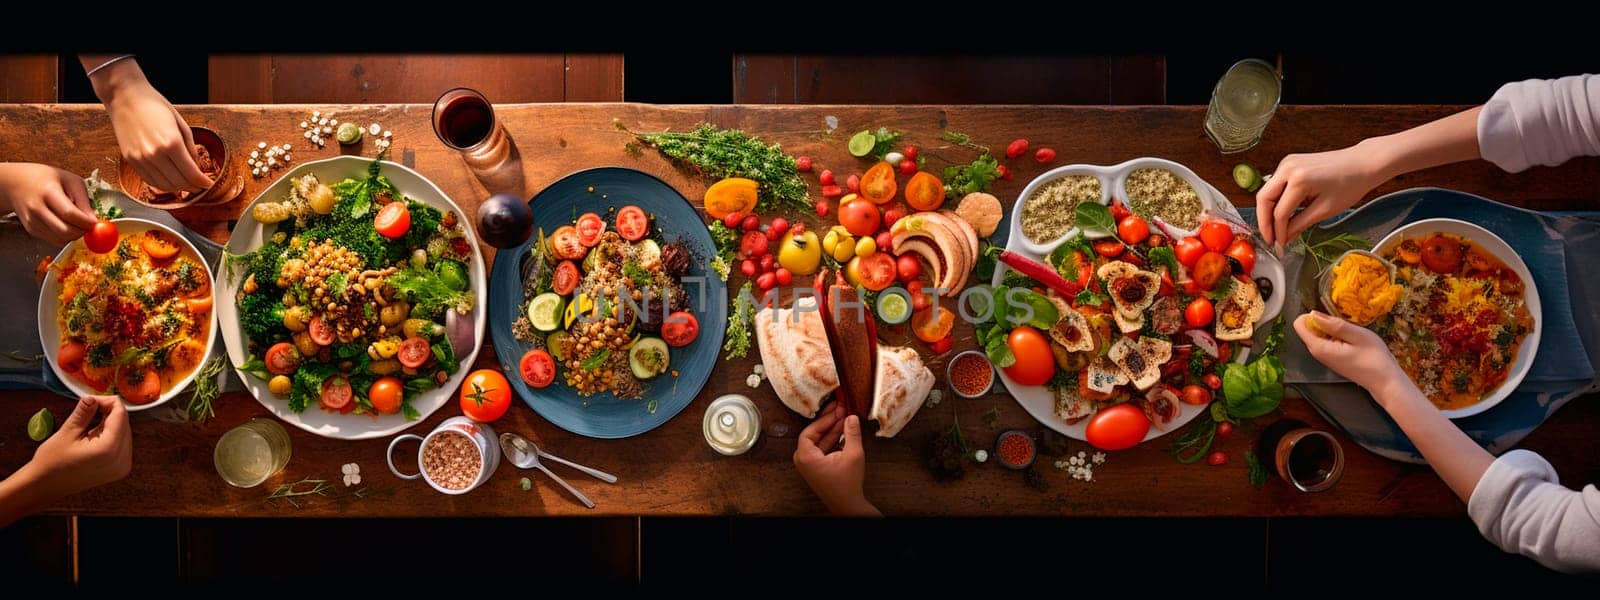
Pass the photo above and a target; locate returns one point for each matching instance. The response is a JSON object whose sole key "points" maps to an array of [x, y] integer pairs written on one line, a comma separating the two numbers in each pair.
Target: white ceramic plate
{"points": [[49, 304], [1494, 245], [1040, 402], [248, 235]]}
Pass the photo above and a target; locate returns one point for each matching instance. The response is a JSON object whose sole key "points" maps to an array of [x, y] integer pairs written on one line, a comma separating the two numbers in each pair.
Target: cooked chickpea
{"points": [[280, 385]]}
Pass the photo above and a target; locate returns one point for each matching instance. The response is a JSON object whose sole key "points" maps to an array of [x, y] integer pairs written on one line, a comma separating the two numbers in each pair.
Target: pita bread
{"points": [[901, 384], [795, 355]]}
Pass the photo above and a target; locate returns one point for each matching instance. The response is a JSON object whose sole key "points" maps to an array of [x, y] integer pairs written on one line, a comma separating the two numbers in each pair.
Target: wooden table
{"points": [[671, 471]]}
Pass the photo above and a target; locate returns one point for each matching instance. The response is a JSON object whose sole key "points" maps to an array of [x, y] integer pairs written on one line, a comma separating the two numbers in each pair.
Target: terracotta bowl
{"points": [[135, 187]]}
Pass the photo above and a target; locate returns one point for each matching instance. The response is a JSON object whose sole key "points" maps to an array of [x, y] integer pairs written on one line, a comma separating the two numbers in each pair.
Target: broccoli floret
{"points": [[262, 317]]}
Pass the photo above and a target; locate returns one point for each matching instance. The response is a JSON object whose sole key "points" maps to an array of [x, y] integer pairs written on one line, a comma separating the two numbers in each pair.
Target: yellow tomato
{"points": [[731, 195]]}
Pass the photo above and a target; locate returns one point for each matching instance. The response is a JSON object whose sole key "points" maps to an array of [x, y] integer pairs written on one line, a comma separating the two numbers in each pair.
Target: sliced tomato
{"points": [[538, 368], [282, 359], [321, 332], [931, 328], [1442, 254], [336, 392], [1109, 248], [632, 223], [925, 191], [158, 245], [680, 329], [878, 185], [1209, 270], [590, 226], [414, 351], [566, 243], [386, 395], [139, 385], [70, 356], [393, 221], [875, 272], [566, 278]]}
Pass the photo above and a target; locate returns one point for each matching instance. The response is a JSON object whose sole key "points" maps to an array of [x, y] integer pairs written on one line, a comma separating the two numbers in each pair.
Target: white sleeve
{"points": [[1541, 122], [1521, 507]]}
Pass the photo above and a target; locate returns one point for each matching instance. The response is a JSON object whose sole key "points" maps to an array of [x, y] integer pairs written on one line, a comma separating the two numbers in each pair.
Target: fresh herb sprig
{"points": [[977, 176], [739, 320], [204, 391], [963, 140], [719, 153], [1324, 252]]}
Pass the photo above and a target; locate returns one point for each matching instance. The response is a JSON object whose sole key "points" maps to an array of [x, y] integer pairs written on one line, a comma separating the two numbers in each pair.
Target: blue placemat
{"points": [[1552, 245]]}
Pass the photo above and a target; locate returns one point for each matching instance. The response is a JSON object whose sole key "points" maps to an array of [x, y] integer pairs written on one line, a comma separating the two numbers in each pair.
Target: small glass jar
{"points": [[732, 424]]}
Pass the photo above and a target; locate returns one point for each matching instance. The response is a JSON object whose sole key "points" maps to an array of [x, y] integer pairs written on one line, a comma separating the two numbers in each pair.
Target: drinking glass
{"points": [[1242, 104], [250, 453]]}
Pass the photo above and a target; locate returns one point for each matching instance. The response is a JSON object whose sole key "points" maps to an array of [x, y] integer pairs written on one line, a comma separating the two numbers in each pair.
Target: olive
{"points": [[1235, 267], [1264, 285]]}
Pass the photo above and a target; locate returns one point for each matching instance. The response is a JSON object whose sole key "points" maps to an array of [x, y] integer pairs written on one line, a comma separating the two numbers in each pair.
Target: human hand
{"points": [[79, 457], [1352, 351], [837, 477], [52, 204], [1323, 184], [153, 137]]}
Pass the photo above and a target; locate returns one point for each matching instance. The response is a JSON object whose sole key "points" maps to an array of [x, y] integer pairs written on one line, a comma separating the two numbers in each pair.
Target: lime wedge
{"points": [[544, 311], [861, 143], [41, 425], [893, 308]]}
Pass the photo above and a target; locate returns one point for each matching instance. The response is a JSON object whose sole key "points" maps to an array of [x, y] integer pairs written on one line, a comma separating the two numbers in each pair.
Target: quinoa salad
{"points": [[1159, 193], [1048, 214]]}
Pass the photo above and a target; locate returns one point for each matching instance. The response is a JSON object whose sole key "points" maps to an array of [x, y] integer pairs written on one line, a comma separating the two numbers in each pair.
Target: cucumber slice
{"points": [[893, 307], [648, 358], [862, 143], [590, 260], [555, 344], [544, 311], [647, 252], [1247, 177]]}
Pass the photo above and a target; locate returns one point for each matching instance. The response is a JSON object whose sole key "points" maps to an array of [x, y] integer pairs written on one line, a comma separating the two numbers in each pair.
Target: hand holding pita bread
{"points": [[835, 471]]}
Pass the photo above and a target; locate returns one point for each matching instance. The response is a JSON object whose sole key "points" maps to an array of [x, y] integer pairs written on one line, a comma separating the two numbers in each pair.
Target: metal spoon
{"points": [[514, 445], [525, 445]]}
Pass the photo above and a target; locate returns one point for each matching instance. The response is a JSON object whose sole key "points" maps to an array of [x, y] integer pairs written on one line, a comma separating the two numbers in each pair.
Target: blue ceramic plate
{"points": [[603, 415]]}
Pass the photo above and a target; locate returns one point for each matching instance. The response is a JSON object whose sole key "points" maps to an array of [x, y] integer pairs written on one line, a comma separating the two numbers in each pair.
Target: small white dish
{"points": [[1103, 174]]}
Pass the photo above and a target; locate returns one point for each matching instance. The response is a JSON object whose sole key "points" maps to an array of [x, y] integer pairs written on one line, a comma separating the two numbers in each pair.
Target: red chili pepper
{"points": [[1041, 273], [1017, 148]]}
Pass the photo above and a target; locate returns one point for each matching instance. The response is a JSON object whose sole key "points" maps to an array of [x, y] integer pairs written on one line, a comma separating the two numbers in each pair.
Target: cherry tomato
{"points": [[1117, 427], [822, 205], [732, 220], [1132, 258], [1017, 147], [321, 332], [1044, 156], [565, 243], [1216, 235], [753, 244], [766, 281], [386, 394], [1108, 247], [1119, 212], [879, 185], [1244, 252], [748, 268], [1217, 458], [893, 214], [859, 216], [943, 345], [393, 221], [1133, 229], [1441, 254], [138, 385], [70, 356], [282, 359], [764, 264], [930, 327], [885, 240], [1213, 381], [1189, 250], [1035, 363], [680, 329], [632, 223], [1003, 171], [590, 226], [908, 167], [783, 276], [1195, 394], [156, 244], [1224, 429], [908, 268], [1209, 270], [826, 177], [336, 393], [1167, 288], [538, 368], [910, 152], [802, 164], [566, 278], [101, 238], [919, 298], [924, 191], [777, 228], [414, 351], [853, 183], [874, 272], [1199, 313], [751, 223], [485, 395]]}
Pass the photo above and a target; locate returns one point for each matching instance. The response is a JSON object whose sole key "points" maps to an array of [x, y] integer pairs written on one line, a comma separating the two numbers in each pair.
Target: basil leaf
{"points": [[1095, 220], [999, 353]]}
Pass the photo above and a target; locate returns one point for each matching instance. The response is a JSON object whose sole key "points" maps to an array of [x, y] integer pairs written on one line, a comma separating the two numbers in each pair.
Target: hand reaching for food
{"points": [[836, 472], [1352, 351], [83, 453], [1323, 184], [51, 204], [153, 137]]}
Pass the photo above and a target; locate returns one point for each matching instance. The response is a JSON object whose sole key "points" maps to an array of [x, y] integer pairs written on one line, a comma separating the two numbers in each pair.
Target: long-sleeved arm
{"points": [[1521, 506], [1541, 122]]}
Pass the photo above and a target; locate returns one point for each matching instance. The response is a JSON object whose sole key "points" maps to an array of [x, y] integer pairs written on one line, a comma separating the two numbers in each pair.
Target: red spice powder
{"points": [[971, 375], [1016, 449]]}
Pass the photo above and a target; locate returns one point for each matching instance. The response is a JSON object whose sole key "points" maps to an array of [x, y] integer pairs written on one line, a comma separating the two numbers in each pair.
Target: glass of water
{"points": [[250, 453], [1242, 104]]}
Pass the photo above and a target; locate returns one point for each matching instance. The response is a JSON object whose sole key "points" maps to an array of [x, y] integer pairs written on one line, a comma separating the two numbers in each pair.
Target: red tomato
{"points": [[751, 223], [1168, 288], [282, 358], [753, 244], [101, 238], [931, 328], [1118, 211], [924, 191], [825, 177], [1213, 381], [1189, 250], [1117, 427], [765, 281], [70, 356], [1108, 247], [590, 226], [853, 183], [1199, 313], [538, 368], [1044, 155], [783, 276], [878, 185], [908, 167], [386, 394], [892, 215], [1209, 270], [860, 216], [765, 263], [565, 243], [919, 299], [138, 385], [566, 278], [336, 392], [748, 267], [680, 329], [156, 244], [943, 345], [802, 164], [884, 239], [908, 268], [1244, 252], [1217, 459], [1216, 235], [320, 331], [1195, 394], [874, 272], [1441, 254], [414, 351], [1016, 148], [632, 223], [485, 395], [1133, 229], [1224, 429], [1132, 258], [1035, 363], [732, 220], [393, 221]]}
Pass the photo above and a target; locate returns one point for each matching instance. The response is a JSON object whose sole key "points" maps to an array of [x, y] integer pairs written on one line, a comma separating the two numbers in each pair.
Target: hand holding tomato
{"points": [[51, 204]]}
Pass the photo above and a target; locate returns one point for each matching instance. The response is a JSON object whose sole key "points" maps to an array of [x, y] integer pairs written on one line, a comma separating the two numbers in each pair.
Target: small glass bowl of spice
{"points": [[1015, 449], [970, 374]]}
